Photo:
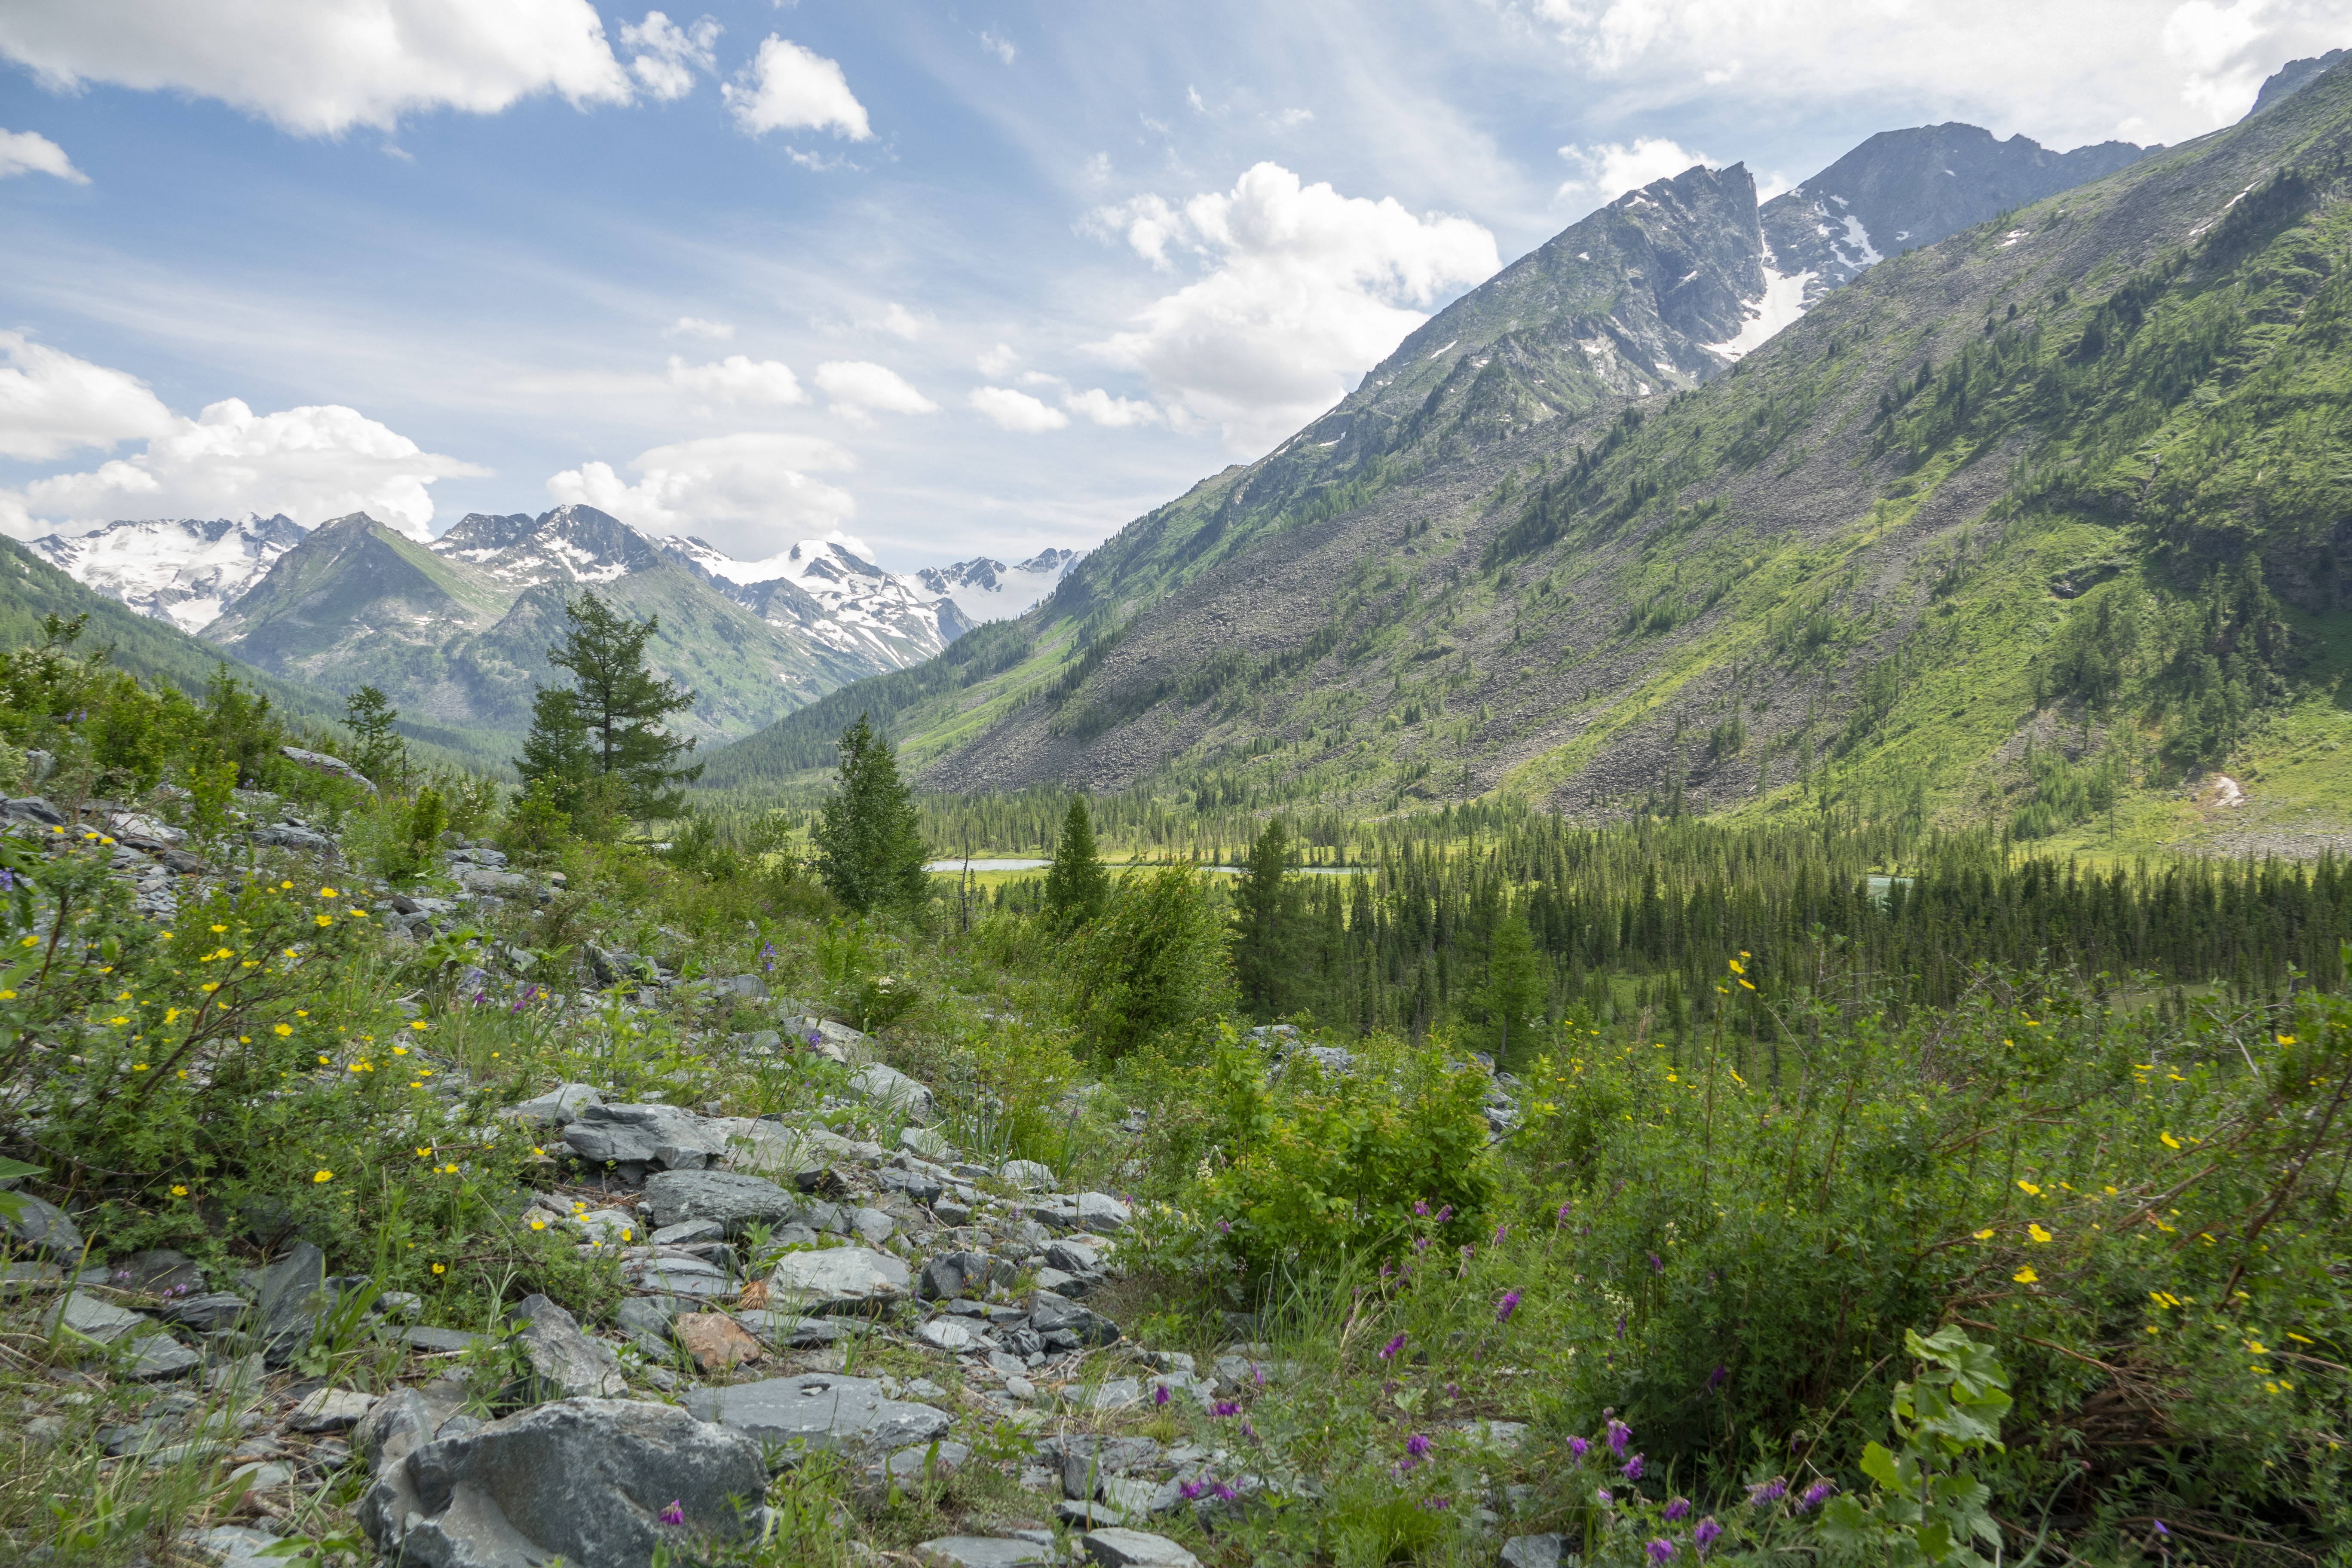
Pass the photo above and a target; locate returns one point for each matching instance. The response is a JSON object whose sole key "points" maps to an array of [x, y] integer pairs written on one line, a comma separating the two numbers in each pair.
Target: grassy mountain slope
{"points": [[1847, 565]]}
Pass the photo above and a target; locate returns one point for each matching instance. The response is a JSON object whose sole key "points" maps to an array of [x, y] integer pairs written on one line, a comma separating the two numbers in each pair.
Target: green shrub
{"points": [[1154, 962]]}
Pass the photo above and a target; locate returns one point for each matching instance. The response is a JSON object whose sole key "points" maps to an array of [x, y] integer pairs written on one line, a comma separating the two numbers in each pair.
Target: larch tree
{"points": [[1077, 887], [869, 842], [608, 727]]}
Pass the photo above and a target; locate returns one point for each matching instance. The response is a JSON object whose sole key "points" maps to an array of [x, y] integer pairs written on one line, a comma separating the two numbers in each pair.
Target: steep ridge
{"points": [[1850, 557], [182, 570]]}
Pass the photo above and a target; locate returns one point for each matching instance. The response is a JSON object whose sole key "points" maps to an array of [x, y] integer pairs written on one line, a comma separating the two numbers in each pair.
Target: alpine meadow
{"points": [[1706, 923]]}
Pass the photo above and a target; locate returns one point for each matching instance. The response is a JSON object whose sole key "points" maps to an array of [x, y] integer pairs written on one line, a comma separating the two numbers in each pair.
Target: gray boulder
{"points": [[584, 1479], [286, 836], [645, 1134], [158, 1357], [840, 1279], [321, 763], [1118, 1548], [821, 1411], [1535, 1552], [1102, 1214], [90, 1318], [1028, 1175], [561, 1105], [954, 1274], [44, 1227], [564, 1363], [732, 1200], [1050, 1314], [893, 1090], [984, 1551]]}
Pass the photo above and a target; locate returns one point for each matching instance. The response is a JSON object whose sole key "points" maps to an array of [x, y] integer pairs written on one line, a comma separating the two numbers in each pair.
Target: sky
{"points": [[943, 281]]}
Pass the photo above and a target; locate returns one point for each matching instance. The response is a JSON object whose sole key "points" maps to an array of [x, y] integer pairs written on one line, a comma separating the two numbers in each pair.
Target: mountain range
{"points": [[1591, 536]]}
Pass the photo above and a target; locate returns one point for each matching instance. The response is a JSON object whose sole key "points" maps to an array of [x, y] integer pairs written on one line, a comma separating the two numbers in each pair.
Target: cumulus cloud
{"points": [[737, 378], [1609, 169], [317, 67], [789, 87], [859, 389], [1301, 291], [1118, 412], [312, 463], [695, 327], [748, 493], [30, 153], [997, 362], [1017, 411], [899, 322], [666, 55], [52, 404]]}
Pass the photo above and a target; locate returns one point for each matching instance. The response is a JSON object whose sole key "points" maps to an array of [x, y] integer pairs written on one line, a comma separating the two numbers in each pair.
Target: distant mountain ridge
{"points": [[181, 570]]}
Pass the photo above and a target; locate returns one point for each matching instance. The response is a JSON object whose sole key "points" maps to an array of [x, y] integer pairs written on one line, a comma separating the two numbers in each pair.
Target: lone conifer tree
{"points": [[380, 752], [1515, 982], [869, 845], [1077, 885], [609, 725], [1260, 925]]}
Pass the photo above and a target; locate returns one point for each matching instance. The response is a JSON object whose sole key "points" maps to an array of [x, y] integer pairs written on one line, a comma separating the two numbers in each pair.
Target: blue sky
{"points": [[946, 280]]}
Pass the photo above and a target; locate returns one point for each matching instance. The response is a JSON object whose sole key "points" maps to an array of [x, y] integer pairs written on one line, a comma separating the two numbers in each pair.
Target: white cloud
{"points": [[1305, 291], [312, 463], [749, 493], [1192, 97], [1290, 117], [1017, 411], [997, 362], [737, 378], [30, 153], [667, 55], [860, 388], [695, 327], [318, 66], [2225, 50], [1118, 412], [789, 87], [1610, 169], [900, 321], [1001, 47], [52, 404]]}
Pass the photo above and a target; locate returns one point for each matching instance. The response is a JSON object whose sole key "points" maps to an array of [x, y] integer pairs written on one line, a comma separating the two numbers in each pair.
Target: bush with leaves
{"points": [[1153, 964]]}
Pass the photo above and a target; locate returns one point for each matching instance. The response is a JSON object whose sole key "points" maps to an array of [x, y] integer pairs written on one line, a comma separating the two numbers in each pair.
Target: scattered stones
{"points": [[1118, 1548], [921, 1460], [321, 763], [1102, 1214], [715, 1340], [839, 1280], [564, 1363], [950, 1334], [788, 1331], [1028, 1175], [1113, 1393], [872, 1226], [90, 1318], [731, 1200], [1050, 1315], [821, 1410], [331, 1410], [585, 1480], [160, 1356], [957, 1274], [43, 1227], [678, 1274]]}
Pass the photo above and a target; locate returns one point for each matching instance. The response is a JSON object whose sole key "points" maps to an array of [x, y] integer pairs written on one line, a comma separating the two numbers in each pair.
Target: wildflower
{"points": [[1226, 1407], [1192, 1489], [2026, 1276], [1421, 1207], [1443, 1214], [1578, 1448], [1510, 1304], [2037, 1233], [440, 1268], [179, 1191], [1417, 1446], [1985, 1235], [418, 1024], [1160, 1395], [1715, 1379], [327, 892], [1562, 1220], [1770, 1491], [2028, 1188], [2169, 1140], [1660, 1551], [1619, 1435], [1655, 1265], [1389, 1351], [1223, 1492], [1600, 1495], [541, 1225], [1815, 1495], [675, 1513], [1677, 1510], [1632, 1469], [1500, 1231], [323, 1176], [1705, 1534]]}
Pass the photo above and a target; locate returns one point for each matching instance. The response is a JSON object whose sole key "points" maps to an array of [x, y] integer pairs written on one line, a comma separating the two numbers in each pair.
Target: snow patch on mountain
{"points": [[837, 596], [1780, 305], [986, 590], [182, 570]]}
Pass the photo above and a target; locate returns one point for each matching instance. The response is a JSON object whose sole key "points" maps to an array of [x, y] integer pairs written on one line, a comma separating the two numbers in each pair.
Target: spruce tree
{"points": [[1515, 982], [613, 713], [378, 751], [556, 765], [1260, 925], [1077, 885], [869, 842]]}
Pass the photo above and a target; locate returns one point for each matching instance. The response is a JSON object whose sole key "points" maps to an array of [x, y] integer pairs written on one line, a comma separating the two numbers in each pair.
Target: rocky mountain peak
{"points": [[182, 570], [2292, 77], [572, 543]]}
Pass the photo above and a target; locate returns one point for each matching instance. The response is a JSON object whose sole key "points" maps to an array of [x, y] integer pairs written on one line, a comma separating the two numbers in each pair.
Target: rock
{"points": [[259, 1476], [160, 1356], [331, 1410], [1074, 1255], [689, 1232], [1118, 1548], [715, 1340], [291, 1294], [34, 809], [732, 1200], [789, 1330], [437, 1342], [819, 1410], [872, 1226], [952, 1275], [1112, 1393], [564, 1363], [1101, 1213], [926, 1143], [1088, 1515], [839, 1280], [983, 1551], [584, 1479], [1028, 1175], [226, 1544], [90, 1318], [321, 763], [921, 1460], [680, 1275], [483, 882], [161, 1271], [950, 1334], [559, 1106], [284, 836], [204, 1314], [921, 1185], [43, 1227], [1535, 1552], [1051, 1314], [749, 987], [892, 1090], [406, 1306], [648, 1314], [1135, 1497]]}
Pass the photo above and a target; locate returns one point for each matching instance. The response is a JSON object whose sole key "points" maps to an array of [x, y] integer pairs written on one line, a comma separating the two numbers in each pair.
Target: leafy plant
{"points": [[1925, 1506]]}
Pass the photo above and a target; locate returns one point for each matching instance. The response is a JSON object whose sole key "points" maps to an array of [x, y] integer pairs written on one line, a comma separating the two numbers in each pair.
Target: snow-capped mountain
{"points": [[570, 544], [182, 570], [986, 590], [836, 597]]}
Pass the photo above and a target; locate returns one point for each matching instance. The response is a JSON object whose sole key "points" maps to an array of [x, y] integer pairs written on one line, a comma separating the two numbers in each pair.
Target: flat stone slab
{"points": [[436, 1341], [331, 1410], [561, 1105], [564, 1363], [729, 1198], [1134, 1549], [982, 1551], [893, 1090], [91, 1317], [819, 1410], [1535, 1552], [160, 1356], [790, 1330], [838, 1279], [909, 1463], [715, 1340]]}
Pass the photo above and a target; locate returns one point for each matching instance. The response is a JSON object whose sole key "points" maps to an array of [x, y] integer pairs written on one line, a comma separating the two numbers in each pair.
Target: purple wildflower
{"points": [[1227, 1408], [2160, 1530], [814, 1039], [1417, 1446], [1562, 1220], [1436, 1504], [1225, 1493], [1619, 1435], [1510, 1304], [1815, 1495], [1421, 1244], [1705, 1534], [1655, 1265], [1160, 1395], [1578, 1448], [675, 1513], [1388, 1351], [1677, 1510], [1660, 1551], [1257, 1374], [1715, 1379], [1193, 1490], [1500, 1231], [1421, 1207], [1600, 1495], [1764, 1492], [1444, 1213], [1249, 1431], [1225, 1227], [1632, 1469]]}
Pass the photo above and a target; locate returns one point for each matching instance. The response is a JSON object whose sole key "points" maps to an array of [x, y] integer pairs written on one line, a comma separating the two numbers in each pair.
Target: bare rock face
{"points": [[584, 1479], [821, 1411], [564, 1363], [727, 1197], [841, 1280]]}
